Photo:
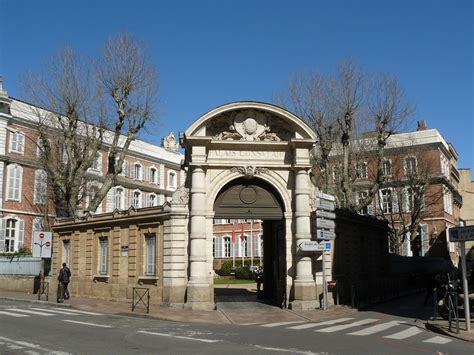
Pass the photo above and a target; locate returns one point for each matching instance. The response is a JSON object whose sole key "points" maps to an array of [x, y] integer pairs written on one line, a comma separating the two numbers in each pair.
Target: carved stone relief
{"points": [[180, 196], [170, 143], [250, 126], [249, 171]]}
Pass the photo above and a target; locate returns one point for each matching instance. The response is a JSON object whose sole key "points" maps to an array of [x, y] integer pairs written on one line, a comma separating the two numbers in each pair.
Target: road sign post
{"points": [[462, 235]]}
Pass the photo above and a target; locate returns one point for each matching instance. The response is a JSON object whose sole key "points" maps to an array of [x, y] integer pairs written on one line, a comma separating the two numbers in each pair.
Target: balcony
{"points": [[455, 173], [457, 198]]}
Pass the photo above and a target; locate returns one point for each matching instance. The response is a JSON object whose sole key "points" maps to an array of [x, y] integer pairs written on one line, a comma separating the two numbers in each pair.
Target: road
{"points": [[27, 328]]}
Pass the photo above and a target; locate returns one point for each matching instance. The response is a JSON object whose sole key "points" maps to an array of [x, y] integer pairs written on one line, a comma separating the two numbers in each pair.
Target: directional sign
{"points": [[325, 223], [313, 245], [461, 234], [42, 242], [325, 214], [324, 196], [325, 235], [325, 205]]}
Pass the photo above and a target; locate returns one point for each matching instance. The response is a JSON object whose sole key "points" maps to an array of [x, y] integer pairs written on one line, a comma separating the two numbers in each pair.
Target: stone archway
{"points": [[251, 141]]}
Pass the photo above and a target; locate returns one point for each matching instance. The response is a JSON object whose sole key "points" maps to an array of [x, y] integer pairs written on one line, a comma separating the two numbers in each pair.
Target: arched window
{"points": [[119, 198], [12, 229], [137, 199], [17, 142], [41, 187], [137, 171], [15, 173], [171, 180], [153, 175], [152, 200]]}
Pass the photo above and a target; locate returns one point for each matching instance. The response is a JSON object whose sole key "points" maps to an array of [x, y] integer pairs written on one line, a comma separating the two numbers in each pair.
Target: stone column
{"points": [[305, 288], [200, 291]]}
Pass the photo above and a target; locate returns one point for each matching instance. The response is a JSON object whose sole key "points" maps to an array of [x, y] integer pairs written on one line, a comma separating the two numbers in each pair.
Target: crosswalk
{"points": [[397, 329], [17, 312]]}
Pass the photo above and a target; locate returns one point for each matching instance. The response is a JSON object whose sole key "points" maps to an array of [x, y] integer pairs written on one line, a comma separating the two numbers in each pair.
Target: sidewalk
{"points": [[230, 309], [441, 326]]}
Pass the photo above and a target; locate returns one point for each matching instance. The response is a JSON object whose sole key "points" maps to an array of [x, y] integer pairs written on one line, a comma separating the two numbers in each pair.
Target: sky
{"points": [[209, 53]]}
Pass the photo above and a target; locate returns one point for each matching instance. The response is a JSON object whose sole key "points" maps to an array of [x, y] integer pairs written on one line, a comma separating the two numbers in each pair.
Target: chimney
{"points": [[421, 125]]}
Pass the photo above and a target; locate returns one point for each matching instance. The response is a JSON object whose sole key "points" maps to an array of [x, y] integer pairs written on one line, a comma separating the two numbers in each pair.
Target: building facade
{"points": [[149, 177], [410, 158]]}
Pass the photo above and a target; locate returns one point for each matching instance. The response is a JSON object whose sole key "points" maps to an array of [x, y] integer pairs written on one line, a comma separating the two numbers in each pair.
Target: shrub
{"points": [[243, 273]]}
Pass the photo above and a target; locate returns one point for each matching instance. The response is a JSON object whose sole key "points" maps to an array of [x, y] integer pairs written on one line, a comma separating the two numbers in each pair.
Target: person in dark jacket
{"points": [[64, 277]]}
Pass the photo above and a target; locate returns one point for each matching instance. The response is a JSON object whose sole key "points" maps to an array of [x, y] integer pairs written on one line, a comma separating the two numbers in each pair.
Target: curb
{"points": [[36, 301], [435, 329]]}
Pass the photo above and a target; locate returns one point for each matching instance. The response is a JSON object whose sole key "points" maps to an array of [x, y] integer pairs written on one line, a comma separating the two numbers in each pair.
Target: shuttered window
{"points": [[150, 250], [103, 255], [41, 187], [17, 142], [15, 173]]}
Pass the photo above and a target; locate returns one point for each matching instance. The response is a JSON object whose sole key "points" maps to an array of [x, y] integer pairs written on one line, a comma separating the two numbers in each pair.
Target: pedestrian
{"points": [[64, 278], [259, 279]]}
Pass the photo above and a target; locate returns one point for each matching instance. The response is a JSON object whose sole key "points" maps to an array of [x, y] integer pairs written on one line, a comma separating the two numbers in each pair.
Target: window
{"points": [[227, 247], [360, 196], [92, 190], [66, 251], [153, 175], [410, 166], [260, 245], [97, 163], [17, 142], [447, 200], [103, 255], [15, 173], [444, 166], [150, 250], [172, 180], [39, 148], [137, 199], [361, 170], [387, 168], [244, 245], [41, 187], [386, 200], [151, 200], [137, 171], [12, 231], [119, 198], [38, 224]]}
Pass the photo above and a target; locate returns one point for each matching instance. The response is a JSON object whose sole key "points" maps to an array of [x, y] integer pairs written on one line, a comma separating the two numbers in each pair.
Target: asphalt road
{"points": [[27, 328]]}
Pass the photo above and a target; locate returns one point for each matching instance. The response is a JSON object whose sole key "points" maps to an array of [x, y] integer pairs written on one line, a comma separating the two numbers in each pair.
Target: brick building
{"points": [[150, 175], [423, 153]]}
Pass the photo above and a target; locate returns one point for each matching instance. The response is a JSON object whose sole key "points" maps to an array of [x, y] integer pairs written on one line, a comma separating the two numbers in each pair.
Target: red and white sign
{"points": [[42, 243]]}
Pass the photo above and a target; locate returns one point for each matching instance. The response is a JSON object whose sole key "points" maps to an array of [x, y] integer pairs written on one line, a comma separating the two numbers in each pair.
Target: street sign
{"points": [[324, 196], [325, 223], [325, 205], [461, 234], [325, 214], [325, 235], [42, 242], [313, 245]]}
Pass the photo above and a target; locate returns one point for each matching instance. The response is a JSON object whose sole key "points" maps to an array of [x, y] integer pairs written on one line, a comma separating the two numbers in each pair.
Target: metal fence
{"points": [[20, 265]]}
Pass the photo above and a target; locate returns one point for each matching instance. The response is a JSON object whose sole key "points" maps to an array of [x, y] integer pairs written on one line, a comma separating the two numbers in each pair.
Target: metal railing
{"points": [[19, 265]]}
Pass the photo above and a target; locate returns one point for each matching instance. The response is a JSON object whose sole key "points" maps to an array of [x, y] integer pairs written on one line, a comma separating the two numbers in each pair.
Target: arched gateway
{"points": [[244, 160]]}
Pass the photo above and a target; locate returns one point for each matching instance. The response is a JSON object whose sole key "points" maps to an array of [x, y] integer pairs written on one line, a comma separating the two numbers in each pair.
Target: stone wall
{"points": [[125, 234]]}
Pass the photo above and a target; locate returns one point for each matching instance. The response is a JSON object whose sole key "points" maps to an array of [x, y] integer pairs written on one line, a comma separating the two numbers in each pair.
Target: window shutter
{"points": [[395, 200], [161, 174], [21, 232], [2, 234], [425, 240], [37, 186], [125, 199], [377, 201], [405, 204], [110, 200], [147, 174], [125, 168], [406, 246]]}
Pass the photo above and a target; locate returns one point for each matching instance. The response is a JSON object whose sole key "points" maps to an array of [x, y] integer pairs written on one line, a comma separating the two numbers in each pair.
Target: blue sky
{"points": [[213, 52]]}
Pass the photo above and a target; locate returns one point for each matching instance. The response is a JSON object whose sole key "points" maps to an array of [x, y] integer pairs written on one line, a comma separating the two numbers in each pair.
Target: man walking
{"points": [[64, 277]]}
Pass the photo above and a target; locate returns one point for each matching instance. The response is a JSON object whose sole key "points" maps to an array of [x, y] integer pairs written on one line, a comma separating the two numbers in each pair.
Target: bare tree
{"points": [[339, 108], [85, 107]]}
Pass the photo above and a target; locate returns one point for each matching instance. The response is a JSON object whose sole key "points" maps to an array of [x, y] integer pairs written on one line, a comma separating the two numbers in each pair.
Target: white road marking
{"points": [[405, 333], [77, 311], [312, 325], [31, 352], [293, 351], [30, 312], [31, 345], [376, 328], [271, 325], [86, 323], [14, 347], [345, 326], [55, 311], [13, 314], [437, 340], [179, 337]]}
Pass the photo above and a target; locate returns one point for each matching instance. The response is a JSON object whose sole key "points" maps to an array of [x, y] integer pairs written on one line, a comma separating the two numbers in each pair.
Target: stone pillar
{"points": [[305, 288], [200, 293]]}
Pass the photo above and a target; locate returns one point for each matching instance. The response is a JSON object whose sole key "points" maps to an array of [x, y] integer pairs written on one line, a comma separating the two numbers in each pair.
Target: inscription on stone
{"points": [[246, 154]]}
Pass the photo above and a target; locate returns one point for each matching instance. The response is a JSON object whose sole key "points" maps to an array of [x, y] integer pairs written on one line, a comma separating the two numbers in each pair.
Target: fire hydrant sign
{"points": [[42, 244]]}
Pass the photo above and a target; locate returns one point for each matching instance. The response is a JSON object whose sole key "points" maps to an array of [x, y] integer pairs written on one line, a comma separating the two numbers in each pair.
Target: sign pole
{"points": [[467, 315], [325, 286], [251, 242]]}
